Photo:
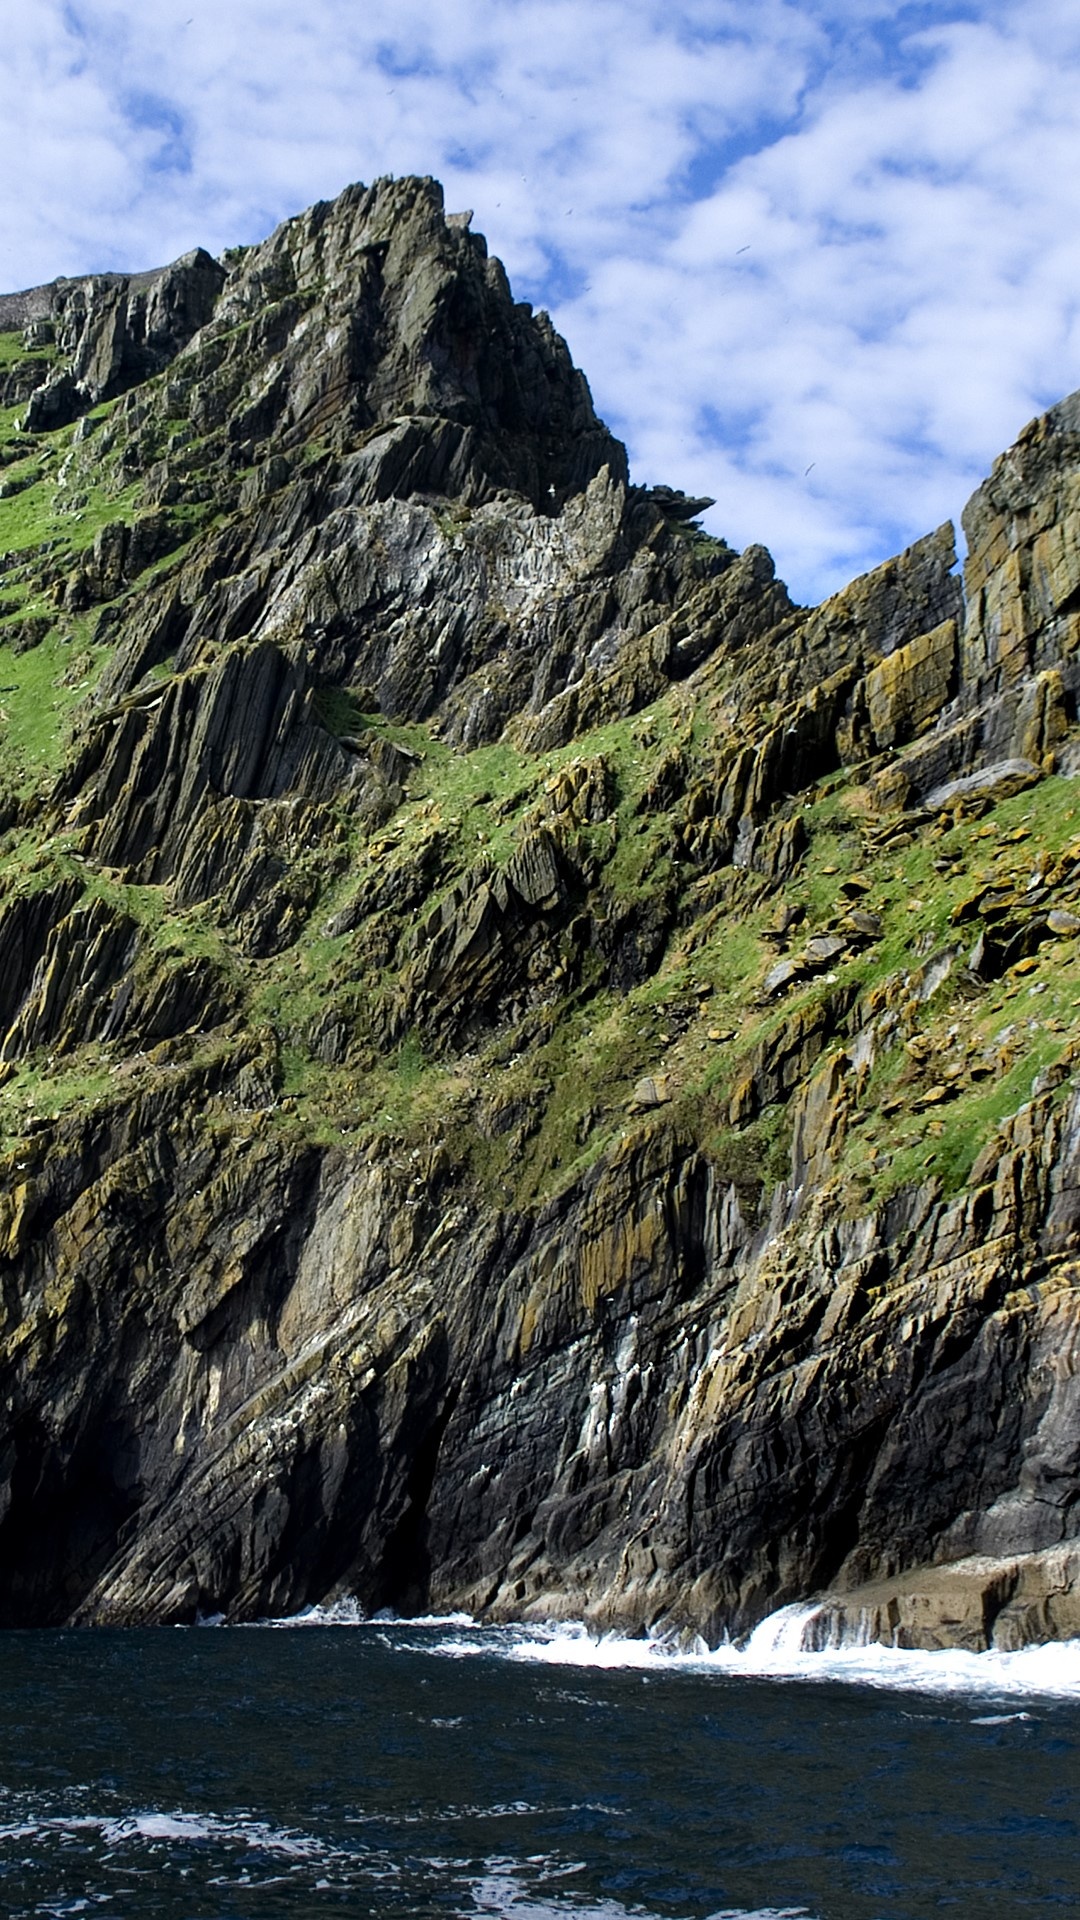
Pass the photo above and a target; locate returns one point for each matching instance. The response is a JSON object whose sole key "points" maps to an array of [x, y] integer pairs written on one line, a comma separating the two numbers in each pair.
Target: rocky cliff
{"points": [[535, 1074]]}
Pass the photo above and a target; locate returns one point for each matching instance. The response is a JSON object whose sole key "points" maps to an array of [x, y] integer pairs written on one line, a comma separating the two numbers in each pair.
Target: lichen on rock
{"points": [[536, 1075]]}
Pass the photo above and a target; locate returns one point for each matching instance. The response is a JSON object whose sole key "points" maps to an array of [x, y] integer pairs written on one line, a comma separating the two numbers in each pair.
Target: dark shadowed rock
{"points": [[535, 1074]]}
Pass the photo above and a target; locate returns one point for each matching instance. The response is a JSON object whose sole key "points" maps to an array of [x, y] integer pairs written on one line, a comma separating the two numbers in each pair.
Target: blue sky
{"points": [[819, 260]]}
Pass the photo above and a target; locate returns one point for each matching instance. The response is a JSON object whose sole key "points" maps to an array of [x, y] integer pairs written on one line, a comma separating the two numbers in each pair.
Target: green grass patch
{"points": [[42, 511], [39, 1092], [967, 1123], [410, 1063], [339, 712], [41, 691], [34, 704], [10, 424]]}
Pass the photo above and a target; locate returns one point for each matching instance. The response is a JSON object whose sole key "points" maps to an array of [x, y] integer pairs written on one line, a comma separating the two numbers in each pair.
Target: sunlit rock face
{"points": [[535, 1075]]}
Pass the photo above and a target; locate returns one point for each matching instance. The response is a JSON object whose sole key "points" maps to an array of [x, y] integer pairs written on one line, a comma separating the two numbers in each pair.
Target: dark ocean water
{"points": [[389, 1769]]}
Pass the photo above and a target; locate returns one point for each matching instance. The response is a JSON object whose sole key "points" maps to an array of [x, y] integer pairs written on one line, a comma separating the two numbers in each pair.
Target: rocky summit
{"points": [[536, 1075]]}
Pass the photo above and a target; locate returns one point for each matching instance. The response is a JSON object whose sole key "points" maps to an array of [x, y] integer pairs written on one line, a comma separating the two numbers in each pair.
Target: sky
{"points": [[818, 260]]}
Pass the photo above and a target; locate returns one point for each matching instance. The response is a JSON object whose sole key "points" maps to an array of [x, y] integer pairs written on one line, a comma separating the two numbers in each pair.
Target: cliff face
{"points": [[535, 1075]]}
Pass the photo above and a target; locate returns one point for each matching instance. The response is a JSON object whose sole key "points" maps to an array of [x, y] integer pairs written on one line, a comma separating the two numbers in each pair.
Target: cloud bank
{"points": [[819, 260]]}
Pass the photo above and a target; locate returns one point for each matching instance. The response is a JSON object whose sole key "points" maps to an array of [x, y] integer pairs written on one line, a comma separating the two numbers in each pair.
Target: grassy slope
{"points": [[44, 526], [699, 1018], [581, 1068]]}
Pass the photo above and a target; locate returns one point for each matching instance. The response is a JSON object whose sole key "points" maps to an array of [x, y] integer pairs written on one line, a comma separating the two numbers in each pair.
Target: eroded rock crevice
{"points": [[536, 1075]]}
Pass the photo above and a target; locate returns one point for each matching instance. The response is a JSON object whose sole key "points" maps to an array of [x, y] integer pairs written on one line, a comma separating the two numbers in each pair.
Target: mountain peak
{"points": [[535, 1074]]}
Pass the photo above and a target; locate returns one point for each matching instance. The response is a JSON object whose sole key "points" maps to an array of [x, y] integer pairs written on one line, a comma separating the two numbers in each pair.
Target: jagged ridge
{"points": [[538, 1075]]}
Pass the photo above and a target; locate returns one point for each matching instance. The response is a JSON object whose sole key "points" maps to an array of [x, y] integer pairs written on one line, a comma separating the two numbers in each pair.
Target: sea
{"points": [[336, 1765]]}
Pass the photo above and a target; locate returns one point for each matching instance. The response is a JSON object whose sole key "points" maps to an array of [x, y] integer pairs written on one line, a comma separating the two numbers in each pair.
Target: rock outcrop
{"points": [[535, 1074], [111, 331]]}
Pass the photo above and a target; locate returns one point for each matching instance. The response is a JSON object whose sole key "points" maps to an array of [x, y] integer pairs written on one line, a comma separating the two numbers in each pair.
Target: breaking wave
{"points": [[501, 1893], [774, 1651], [150, 1827]]}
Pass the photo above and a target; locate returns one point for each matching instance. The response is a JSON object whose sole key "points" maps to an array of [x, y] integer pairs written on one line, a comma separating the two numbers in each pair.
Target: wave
{"points": [[119, 1830], [502, 1893], [776, 1650], [537, 1887], [346, 1613]]}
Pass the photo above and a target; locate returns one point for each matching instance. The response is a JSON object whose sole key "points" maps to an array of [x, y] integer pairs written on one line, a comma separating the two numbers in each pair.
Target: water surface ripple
{"points": [[390, 1769]]}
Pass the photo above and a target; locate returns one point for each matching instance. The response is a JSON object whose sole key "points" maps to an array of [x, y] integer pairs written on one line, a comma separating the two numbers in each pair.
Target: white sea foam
{"points": [[117, 1830], [500, 1891], [349, 1613], [341, 1613], [484, 1810], [774, 1651], [997, 1719]]}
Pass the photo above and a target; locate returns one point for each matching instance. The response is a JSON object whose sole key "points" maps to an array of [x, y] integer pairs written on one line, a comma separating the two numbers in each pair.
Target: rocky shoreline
{"points": [[977, 1603]]}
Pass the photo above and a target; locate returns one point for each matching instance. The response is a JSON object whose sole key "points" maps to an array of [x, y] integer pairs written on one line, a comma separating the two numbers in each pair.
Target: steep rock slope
{"points": [[535, 1074]]}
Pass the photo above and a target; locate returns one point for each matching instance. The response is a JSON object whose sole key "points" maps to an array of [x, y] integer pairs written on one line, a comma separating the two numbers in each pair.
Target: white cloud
{"points": [[824, 235]]}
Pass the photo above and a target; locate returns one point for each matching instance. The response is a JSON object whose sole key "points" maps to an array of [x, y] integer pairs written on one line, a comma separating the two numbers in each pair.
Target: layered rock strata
{"points": [[535, 1074]]}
